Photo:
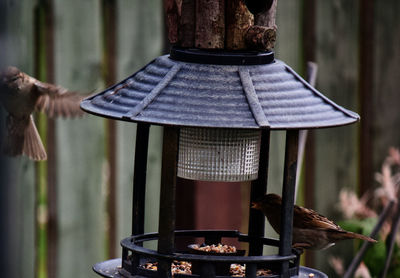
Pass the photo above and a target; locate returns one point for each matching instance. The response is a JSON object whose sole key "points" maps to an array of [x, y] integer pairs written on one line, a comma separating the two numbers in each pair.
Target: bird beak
{"points": [[255, 205]]}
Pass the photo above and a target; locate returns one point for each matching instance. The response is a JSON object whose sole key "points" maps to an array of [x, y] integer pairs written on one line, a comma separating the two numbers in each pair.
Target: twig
{"points": [[391, 239], [360, 254]]}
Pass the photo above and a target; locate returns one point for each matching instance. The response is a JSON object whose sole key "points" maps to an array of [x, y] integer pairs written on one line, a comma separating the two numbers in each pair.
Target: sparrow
{"points": [[20, 95], [310, 229]]}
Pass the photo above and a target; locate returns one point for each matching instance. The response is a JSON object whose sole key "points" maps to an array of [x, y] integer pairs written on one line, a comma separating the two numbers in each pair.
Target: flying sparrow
{"points": [[310, 229], [20, 95]]}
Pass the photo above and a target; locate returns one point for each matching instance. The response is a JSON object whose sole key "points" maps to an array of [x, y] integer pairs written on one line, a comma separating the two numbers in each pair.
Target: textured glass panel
{"points": [[218, 154]]}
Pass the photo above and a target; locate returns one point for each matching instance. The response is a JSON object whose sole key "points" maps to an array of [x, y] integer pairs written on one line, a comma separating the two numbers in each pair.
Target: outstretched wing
{"points": [[57, 101]]}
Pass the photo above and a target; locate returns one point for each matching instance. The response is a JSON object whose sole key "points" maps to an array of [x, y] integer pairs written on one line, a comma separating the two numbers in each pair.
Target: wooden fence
{"points": [[61, 216]]}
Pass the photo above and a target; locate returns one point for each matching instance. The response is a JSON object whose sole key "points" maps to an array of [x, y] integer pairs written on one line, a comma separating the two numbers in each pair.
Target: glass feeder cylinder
{"points": [[211, 154]]}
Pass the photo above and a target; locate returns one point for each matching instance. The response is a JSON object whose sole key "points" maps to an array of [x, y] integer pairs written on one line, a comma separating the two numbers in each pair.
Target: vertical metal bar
{"points": [[139, 178], [208, 270], [112, 188], [288, 190], [258, 189], [166, 224], [251, 270]]}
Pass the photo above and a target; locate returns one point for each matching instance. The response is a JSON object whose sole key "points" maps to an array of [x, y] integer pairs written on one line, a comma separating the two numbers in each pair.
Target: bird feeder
{"points": [[217, 108]]}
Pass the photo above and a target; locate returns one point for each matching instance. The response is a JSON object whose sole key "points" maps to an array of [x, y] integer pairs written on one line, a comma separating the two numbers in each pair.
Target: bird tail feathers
{"points": [[33, 146], [359, 236], [23, 138]]}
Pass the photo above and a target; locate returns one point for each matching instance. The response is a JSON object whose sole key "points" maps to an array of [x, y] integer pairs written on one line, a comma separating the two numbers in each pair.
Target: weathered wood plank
{"points": [[108, 16], [47, 239], [136, 47], [366, 73], [386, 75], [80, 142], [17, 175], [336, 148], [288, 21], [308, 164]]}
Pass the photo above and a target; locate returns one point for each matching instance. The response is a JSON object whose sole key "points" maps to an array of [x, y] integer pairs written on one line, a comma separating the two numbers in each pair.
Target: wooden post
{"points": [[214, 24], [108, 10], [52, 226], [210, 24], [45, 36], [172, 10], [366, 87], [238, 21], [262, 35], [309, 54], [187, 24], [268, 17]]}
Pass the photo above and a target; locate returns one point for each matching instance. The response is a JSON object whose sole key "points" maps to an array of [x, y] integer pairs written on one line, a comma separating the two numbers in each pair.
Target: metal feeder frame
{"points": [[145, 98]]}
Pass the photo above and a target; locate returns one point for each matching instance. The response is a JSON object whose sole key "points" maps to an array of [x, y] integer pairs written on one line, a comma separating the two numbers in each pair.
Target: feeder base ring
{"points": [[111, 269]]}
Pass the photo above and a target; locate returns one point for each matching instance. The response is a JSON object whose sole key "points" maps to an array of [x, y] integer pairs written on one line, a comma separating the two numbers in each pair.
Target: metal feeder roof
{"points": [[253, 91]]}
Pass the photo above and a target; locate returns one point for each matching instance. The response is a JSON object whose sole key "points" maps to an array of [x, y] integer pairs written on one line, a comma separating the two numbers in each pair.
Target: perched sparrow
{"points": [[310, 229], [20, 95]]}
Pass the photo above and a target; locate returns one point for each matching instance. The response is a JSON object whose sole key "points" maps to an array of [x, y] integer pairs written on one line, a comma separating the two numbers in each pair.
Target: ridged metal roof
{"points": [[170, 92]]}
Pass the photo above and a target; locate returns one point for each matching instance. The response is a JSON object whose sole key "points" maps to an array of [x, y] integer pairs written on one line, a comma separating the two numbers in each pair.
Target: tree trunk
{"points": [[186, 27], [172, 12], [262, 35], [268, 17], [238, 21], [210, 24]]}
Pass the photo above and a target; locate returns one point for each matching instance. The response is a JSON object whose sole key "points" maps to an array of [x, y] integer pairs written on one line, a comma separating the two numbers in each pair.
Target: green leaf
{"points": [[375, 258], [376, 255], [353, 225], [394, 269], [364, 226]]}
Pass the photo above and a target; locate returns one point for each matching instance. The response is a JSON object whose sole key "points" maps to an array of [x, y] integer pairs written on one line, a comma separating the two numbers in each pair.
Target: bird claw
{"points": [[301, 245]]}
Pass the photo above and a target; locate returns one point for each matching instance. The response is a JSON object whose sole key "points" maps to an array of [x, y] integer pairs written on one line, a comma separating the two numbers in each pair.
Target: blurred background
{"points": [[61, 216]]}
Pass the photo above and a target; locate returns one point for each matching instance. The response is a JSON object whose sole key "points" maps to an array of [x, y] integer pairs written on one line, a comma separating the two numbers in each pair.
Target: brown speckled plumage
{"points": [[20, 95], [310, 229]]}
